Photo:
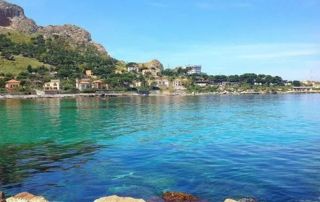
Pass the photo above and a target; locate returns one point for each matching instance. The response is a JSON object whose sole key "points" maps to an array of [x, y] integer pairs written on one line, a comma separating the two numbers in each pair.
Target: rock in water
{"points": [[2, 197], [242, 200], [230, 200], [118, 199], [178, 197], [248, 200], [26, 197]]}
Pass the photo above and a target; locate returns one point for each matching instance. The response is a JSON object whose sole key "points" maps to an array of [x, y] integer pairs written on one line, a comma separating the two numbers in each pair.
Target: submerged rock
{"points": [[178, 197], [242, 200], [118, 199], [26, 197], [2, 197]]}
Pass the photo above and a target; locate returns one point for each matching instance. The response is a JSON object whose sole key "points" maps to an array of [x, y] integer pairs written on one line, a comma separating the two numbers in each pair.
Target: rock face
{"points": [[26, 197], [13, 17], [71, 33], [178, 197], [118, 199], [153, 64]]}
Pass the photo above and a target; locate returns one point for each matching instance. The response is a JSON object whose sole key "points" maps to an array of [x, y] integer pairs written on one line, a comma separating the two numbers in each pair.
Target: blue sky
{"points": [[278, 37]]}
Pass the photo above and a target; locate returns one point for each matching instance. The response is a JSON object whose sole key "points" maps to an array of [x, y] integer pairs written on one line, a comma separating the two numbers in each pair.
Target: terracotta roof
{"points": [[84, 82], [13, 81]]}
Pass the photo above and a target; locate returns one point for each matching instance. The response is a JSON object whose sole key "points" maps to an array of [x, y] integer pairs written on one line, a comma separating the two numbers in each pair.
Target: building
{"points": [[52, 87], [88, 73], [155, 72], [98, 84], [12, 85], [178, 84], [162, 83], [195, 69], [316, 85], [201, 83], [87, 84], [302, 89], [83, 84], [133, 69], [136, 84]]}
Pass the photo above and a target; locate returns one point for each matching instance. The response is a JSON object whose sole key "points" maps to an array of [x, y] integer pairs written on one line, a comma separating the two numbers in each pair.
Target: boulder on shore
{"points": [[115, 198], [2, 197], [178, 197], [26, 197]]}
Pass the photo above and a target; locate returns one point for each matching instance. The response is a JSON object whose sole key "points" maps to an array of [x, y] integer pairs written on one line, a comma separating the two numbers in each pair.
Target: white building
{"points": [[53, 85], [195, 69], [162, 83], [133, 69]]}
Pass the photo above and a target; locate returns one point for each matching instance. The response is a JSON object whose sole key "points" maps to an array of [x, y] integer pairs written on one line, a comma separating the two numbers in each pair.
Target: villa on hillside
{"points": [[12, 85], [133, 69], [179, 84], [152, 71], [98, 84], [89, 74], [88, 84], [194, 69], [162, 83], [83, 84], [302, 89], [52, 87], [201, 83], [136, 84]]}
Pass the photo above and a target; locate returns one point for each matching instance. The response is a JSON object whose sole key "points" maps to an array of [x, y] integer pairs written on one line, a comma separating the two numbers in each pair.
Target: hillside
{"points": [[18, 65], [69, 49]]}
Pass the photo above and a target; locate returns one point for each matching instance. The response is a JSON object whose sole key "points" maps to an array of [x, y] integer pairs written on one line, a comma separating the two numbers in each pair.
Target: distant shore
{"points": [[129, 94]]}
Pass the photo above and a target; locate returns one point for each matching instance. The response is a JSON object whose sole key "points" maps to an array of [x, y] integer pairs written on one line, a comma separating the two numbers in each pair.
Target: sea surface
{"points": [[264, 146]]}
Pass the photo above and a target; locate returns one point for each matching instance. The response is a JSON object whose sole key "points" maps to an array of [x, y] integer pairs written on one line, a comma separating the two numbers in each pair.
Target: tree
{"points": [[296, 83]]}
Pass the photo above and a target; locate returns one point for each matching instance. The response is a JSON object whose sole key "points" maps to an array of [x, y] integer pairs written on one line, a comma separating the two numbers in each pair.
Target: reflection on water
{"points": [[211, 146], [18, 162]]}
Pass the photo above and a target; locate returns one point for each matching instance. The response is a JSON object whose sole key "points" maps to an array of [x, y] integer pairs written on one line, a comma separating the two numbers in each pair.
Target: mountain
{"points": [[36, 54], [12, 18]]}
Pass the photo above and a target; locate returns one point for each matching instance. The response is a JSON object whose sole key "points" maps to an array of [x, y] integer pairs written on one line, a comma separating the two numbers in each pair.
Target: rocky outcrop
{"points": [[74, 34], [13, 17], [178, 197], [118, 199], [153, 64], [2, 197], [26, 197]]}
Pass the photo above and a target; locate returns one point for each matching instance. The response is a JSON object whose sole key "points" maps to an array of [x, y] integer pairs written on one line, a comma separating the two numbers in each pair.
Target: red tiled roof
{"points": [[13, 81]]}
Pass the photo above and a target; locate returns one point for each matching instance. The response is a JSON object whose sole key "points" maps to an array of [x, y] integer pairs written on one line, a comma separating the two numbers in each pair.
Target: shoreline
{"points": [[128, 94]]}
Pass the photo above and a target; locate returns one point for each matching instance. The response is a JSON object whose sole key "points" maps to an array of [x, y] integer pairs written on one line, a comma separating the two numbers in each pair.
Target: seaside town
{"points": [[64, 60], [193, 101], [151, 78]]}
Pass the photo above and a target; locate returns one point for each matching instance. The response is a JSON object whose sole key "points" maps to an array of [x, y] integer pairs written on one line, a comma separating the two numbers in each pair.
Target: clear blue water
{"points": [[212, 146]]}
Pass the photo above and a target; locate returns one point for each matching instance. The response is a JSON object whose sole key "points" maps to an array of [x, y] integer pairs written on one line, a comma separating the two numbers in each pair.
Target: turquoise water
{"points": [[212, 146]]}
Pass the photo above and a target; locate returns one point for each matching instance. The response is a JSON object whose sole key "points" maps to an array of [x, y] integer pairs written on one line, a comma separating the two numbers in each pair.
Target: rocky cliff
{"points": [[153, 64], [12, 17]]}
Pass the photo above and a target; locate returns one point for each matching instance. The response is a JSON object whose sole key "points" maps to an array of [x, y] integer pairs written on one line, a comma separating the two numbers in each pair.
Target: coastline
{"points": [[130, 94]]}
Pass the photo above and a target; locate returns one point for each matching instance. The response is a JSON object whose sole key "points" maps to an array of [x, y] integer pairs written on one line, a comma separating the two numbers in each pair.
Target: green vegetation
{"points": [[35, 60], [18, 64], [57, 53]]}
